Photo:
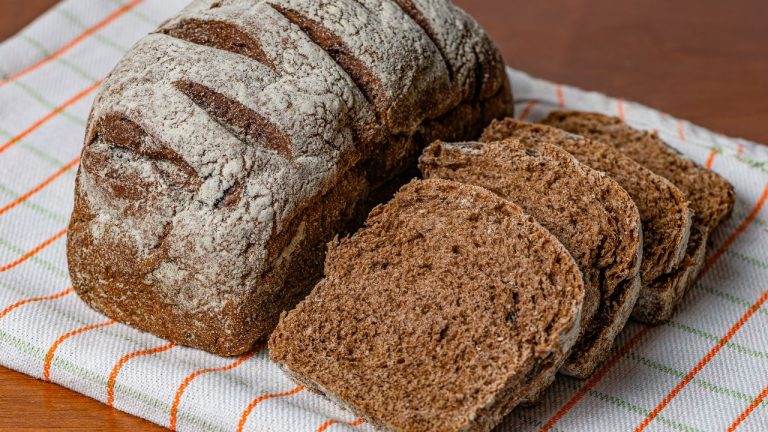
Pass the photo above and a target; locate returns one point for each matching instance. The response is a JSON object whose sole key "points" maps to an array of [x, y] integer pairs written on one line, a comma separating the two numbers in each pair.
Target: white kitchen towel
{"points": [[706, 370]]}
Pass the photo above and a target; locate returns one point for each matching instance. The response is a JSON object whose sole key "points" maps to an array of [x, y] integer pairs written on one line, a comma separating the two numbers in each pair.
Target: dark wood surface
{"points": [[703, 60], [27, 404], [15, 14]]}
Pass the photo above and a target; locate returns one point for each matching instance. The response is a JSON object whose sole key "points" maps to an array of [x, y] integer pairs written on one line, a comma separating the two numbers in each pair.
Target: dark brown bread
{"points": [[446, 310], [709, 195], [588, 212], [663, 209], [228, 147]]}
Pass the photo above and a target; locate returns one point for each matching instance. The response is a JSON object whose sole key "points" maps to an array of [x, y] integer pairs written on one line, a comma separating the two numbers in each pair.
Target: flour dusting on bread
{"points": [[240, 120]]}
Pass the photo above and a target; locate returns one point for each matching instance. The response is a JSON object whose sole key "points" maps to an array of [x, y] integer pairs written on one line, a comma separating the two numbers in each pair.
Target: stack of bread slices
{"points": [[517, 256]]}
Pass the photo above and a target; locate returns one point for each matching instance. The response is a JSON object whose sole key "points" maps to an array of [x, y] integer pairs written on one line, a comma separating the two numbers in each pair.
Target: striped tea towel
{"points": [[706, 370]]}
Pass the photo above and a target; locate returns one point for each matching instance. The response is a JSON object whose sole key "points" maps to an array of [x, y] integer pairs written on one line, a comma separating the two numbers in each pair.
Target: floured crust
{"points": [[709, 195], [237, 123], [588, 212], [386, 332]]}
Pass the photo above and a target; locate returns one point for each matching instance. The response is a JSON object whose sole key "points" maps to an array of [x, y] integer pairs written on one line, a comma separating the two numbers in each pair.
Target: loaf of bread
{"points": [[230, 145], [709, 195], [664, 211], [444, 312], [589, 213]]}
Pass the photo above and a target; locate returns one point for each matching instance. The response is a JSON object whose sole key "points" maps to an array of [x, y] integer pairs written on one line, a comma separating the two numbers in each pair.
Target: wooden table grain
{"points": [[703, 60]]}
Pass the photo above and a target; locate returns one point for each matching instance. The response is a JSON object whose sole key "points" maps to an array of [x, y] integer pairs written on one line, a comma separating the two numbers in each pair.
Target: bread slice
{"points": [[664, 211], [589, 213], [442, 313], [709, 195]]}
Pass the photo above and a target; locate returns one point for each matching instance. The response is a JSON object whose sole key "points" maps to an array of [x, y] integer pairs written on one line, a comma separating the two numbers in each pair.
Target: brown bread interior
{"points": [[664, 211], [709, 195], [438, 315], [590, 214]]}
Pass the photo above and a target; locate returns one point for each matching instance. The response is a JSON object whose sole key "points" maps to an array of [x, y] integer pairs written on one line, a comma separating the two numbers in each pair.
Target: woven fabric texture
{"points": [[706, 370]]}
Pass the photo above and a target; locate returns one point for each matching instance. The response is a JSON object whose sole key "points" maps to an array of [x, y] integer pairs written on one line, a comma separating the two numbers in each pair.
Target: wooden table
{"points": [[703, 60]]}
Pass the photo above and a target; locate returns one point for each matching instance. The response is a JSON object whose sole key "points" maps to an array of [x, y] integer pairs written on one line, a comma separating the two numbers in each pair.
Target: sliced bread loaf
{"points": [[442, 313], [665, 215], [588, 212], [709, 195], [230, 145]]}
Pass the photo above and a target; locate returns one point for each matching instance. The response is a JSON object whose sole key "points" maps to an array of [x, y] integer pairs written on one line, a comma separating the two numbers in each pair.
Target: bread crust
{"points": [[226, 148], [664, 211], [709, 195], [666, 218], [527, 172], [667, 291]]}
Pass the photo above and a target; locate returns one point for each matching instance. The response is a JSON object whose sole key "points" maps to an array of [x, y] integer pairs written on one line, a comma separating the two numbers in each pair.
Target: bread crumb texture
{"points": [[665, 215], [710, 197], [439, 314]]}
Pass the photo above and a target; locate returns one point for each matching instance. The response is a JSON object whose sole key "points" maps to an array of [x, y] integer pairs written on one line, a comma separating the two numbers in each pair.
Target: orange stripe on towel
{"points": [[18, 304], [45, 119], [34, 251], [329, 423], [191, 377], [739, 230], [260, 399], [119, 365], [743, 416], [711, 158], [74, 42], [41, 186], [560, 96], [64, 337], [527, 110], [602, 372], [703, 362], [594, 380]]}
